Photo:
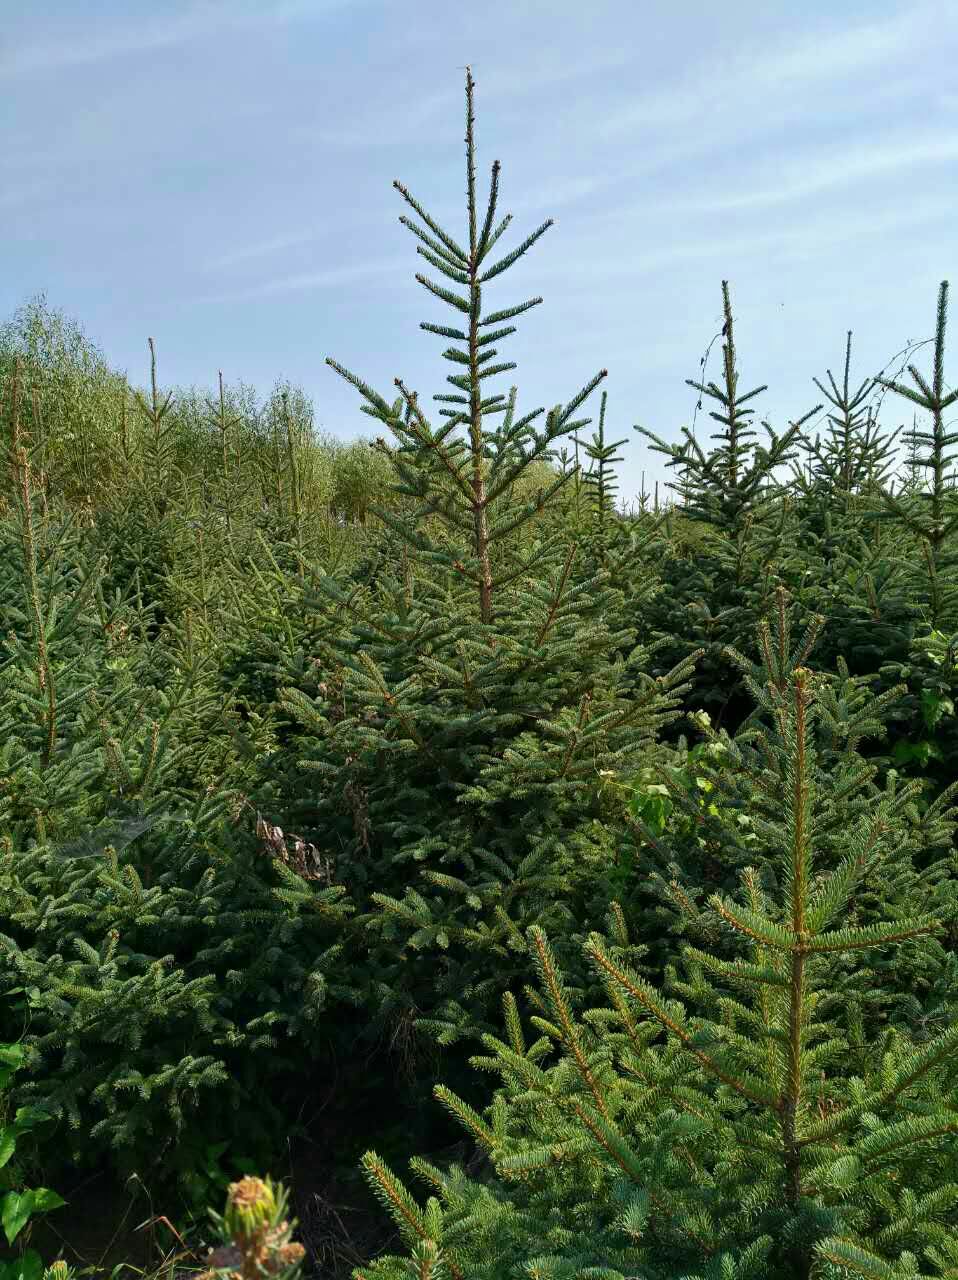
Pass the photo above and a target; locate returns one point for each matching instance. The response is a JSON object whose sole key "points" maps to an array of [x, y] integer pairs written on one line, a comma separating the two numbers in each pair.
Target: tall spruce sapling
{"points": [[731, 481], [604, 529], [155, 484], [931, 514], [466, 482], [230, 487], [854, 458], [851, 718], [760, 1136], [842, 568], [717, 594], [488, 681], [687, 858], [926, 517]]}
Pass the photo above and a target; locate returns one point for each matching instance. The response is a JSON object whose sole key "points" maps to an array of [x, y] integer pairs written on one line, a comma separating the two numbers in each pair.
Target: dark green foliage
{"points": [[766, 1128], [476, 692], [155, 956], [320, 762], [162, 982]]}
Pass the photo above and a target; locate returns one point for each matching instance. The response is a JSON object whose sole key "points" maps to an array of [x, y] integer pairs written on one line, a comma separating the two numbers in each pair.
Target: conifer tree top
{"points": [[467, 481]]}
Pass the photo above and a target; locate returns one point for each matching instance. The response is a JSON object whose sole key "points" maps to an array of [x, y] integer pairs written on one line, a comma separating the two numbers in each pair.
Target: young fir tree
{"points": [[932, 514], [461, 727], [142, 523], [744, 1125], [716, 594], [603, 529], [855, 456], [464, 481], [730, 482], [672, 845], [927, 519], [842, 567], [229, 487]]}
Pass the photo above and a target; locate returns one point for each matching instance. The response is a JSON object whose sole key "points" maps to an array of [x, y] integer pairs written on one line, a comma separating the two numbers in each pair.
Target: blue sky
{"points": [[218, 175]]}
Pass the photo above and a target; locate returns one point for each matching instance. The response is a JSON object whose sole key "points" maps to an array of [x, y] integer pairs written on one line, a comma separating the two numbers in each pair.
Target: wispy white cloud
{"points": [[547, 69], [758, 88], [246, 253], [802, 175], [58, 53], [555, 195], [89, 44], [404, 122], [761, 80], [329, 278], [589, 257]]}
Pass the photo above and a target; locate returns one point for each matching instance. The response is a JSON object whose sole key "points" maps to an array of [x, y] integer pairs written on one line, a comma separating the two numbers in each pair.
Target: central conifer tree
{"points": [[468, 482], [463, 725]]}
